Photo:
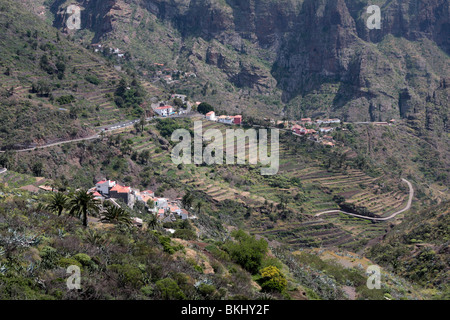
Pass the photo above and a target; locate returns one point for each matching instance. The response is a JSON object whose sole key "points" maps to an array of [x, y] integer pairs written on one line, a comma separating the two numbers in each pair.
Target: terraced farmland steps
{"points": [[408, 206]]}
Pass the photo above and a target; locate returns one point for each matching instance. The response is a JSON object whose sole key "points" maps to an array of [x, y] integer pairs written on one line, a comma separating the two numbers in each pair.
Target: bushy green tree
{"points": [[246, 250], [204, 108], [169, 290]]}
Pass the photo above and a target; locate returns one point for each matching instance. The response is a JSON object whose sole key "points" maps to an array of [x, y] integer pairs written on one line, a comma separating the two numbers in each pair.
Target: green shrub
{"points": [[272, 279], [247, 251], [92, 79], [185, 234], [65, 99], [49, 257], [167, 245], [170, 290], [128, 274], [147, 291], [67, 262], [206, 290], [84, 259]]}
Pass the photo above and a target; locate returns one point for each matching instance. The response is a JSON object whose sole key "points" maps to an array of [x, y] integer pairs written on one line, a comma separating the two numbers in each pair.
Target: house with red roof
{"points": [[211, 116], [104, 186], [237, 120], [164, 111], [123, 193]]}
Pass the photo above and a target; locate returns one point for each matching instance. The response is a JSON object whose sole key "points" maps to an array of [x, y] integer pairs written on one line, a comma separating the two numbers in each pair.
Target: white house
{"points": [[162, 203], [326, 130], [211, 116], [104, 186], [226, 119], [334, 121], [164, 111]]}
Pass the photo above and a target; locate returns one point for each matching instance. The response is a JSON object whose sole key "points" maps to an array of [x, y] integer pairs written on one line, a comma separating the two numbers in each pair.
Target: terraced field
{"points": [[318, 185], [321, 185], [312, 233]]}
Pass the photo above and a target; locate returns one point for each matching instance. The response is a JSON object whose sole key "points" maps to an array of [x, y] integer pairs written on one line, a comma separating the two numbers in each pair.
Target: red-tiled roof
{"points": [[121, 189], [164, 108]]}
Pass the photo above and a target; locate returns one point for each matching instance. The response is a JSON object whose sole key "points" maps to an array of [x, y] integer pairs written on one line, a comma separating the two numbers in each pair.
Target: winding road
{"points": [[110, 128], [408, 206]]}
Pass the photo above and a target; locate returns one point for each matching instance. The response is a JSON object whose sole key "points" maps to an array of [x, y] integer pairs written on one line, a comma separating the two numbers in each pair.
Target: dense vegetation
{"points": [[418, 249]]}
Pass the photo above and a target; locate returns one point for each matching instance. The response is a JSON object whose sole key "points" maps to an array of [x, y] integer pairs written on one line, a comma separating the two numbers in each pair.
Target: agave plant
{"points": [[3, 269]]}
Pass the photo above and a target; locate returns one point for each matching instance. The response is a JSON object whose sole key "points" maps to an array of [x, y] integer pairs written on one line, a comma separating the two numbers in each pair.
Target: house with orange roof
{"points": [[123, 193]]}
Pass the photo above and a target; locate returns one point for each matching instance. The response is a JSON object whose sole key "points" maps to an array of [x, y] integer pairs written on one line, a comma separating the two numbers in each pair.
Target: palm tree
{"points": [[83, 203], [153, 221], [116, 215], [199, 206], [58, 202]]}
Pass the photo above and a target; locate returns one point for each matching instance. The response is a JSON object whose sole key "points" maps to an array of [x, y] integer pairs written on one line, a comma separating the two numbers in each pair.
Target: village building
{"points": [[122, 193], [326, 129], [225, 119], [164, 111], [104, 186], [211, 116], [237, 119], [306, 121]]}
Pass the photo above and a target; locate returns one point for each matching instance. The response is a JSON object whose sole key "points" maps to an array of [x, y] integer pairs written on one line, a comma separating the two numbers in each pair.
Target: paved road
{"points": [[408, 206], [110, 128]]}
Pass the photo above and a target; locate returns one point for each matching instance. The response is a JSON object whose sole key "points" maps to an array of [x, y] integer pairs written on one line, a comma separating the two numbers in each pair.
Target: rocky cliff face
{"points": [[319, 48]]}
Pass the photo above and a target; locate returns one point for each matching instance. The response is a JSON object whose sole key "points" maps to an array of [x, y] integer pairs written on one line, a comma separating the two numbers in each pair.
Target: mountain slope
{"points": [[317, 56], [418, 249], [51, 87]]}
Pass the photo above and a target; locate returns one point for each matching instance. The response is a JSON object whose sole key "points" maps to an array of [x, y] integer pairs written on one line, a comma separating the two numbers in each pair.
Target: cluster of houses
{"points": [[163, 109], [211, 116], [299, 129], [165, 209], [171, 76], [114, 51]]}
